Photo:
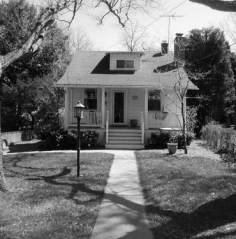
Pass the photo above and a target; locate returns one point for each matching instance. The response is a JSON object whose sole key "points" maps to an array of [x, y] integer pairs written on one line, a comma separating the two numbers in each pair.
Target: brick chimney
{"points": [[164, 47], [180, 43]]}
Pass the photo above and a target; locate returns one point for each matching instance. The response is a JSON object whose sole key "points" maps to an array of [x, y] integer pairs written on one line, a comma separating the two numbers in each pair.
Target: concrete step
{"points": [[125, 142], [123, 131], [124, 146], [127, 138]]}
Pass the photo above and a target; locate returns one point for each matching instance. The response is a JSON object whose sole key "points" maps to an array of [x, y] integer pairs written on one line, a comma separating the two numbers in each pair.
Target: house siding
{"points": [[135, 104]]}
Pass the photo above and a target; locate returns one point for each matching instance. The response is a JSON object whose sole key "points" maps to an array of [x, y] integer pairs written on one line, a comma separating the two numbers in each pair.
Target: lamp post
{"points": [[78, 113]]}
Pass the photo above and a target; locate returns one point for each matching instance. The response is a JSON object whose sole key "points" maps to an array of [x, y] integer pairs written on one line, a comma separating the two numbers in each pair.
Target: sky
{"points": [[107, 36]]}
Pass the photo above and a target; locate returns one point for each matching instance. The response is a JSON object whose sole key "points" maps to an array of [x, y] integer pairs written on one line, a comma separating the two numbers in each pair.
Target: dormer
{"points": [[125, 61]]}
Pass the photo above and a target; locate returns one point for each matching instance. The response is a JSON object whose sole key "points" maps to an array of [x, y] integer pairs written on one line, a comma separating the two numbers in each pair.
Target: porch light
{"points": [[79, 110], [78, 113]]}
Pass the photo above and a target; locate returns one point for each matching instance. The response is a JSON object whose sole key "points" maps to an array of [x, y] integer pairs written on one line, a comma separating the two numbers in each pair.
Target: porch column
{"points": [[67, 112], [103, 108], [146, 108]]}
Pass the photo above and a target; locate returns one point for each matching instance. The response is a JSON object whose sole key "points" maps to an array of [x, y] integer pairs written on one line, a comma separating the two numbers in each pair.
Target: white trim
{"points": [[119, 86], [67, 99], [103, 108], [70, 92], [146, 108]]}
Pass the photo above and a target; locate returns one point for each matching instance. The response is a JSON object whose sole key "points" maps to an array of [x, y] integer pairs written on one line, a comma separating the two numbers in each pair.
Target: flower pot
{"points": [[172, 147], [133, 122]]}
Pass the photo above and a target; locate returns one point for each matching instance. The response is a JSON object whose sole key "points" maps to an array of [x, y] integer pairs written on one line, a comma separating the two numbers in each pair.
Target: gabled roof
{"points": [[91, 69]]}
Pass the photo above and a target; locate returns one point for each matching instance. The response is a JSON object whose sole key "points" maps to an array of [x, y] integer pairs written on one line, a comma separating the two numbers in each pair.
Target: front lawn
{"points": [[188, 196], [47, 199]]}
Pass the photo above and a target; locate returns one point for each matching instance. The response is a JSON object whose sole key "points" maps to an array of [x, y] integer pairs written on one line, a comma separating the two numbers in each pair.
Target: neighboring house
{"points": [[118, 87]]}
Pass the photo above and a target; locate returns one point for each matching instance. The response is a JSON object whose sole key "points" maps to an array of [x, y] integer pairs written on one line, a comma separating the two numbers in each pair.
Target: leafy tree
{"points": [[220, 5], [27, 85], [45, 17], [208, 54]]}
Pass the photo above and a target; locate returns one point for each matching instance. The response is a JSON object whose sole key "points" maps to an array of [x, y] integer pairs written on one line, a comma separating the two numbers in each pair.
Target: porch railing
{"points": [[90, 119], [164, 119], [142, 126]]}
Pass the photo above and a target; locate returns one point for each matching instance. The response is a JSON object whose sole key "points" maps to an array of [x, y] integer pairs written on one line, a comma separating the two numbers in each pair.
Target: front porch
{"points": [[125, 136], [112, 112]]}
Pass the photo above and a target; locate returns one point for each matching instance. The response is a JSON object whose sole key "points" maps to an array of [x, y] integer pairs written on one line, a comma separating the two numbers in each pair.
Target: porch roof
{"points": [[91, 69]]}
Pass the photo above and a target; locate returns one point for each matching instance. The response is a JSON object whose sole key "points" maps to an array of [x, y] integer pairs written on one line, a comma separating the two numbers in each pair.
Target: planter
{"points": [[172, 147], [133, 122]]}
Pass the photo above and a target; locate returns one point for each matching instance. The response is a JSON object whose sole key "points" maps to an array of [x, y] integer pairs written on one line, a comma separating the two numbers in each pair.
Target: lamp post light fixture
{"points": [[78, 113]]}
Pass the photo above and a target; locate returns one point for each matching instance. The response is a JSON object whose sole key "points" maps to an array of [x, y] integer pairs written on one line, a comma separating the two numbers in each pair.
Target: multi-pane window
{"points": [[125, 64], [154, 100], [90, 99]]}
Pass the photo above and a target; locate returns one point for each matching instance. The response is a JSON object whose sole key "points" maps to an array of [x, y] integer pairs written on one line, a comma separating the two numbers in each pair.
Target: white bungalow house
{"points": [[118, 87]]}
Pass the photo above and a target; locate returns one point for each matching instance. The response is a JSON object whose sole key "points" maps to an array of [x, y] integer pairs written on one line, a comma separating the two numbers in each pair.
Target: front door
{"points": [[119, 98]]}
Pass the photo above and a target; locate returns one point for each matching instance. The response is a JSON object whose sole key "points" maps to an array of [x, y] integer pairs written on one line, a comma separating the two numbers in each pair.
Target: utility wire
{"points": [[205, 57], [143, 27]]}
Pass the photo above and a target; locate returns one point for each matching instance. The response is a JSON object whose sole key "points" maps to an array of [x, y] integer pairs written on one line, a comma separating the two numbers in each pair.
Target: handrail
{"points": [[107, 126], [142, 126]]}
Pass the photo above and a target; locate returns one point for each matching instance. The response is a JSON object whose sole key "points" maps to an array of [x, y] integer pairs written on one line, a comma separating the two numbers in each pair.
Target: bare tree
{"points": [[80, 40], [229, 26], [133, 37], [124, 9], [181, 86], [54, 10]]}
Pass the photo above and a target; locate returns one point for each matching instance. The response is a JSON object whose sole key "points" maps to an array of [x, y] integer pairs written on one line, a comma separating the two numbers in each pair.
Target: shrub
{"points": [[160, 139], [191, 118], [212, 134], [178, 137], [60, 139], [89, 138], [220, 139], [64, 139]]}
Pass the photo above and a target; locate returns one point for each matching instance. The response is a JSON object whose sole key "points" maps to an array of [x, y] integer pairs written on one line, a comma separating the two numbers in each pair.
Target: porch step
{"points": [[125, 139], [124, 146]]}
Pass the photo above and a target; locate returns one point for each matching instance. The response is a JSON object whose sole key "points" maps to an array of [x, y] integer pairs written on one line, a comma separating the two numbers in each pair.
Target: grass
{"points": [[188, 196], [47, 199]]}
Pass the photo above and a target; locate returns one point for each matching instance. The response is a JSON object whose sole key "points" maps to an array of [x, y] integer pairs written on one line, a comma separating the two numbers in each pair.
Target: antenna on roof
{"points": [[170, 16]]}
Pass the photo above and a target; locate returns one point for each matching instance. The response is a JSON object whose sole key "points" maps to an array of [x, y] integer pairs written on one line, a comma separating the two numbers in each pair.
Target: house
{"points": [[119, 88]]}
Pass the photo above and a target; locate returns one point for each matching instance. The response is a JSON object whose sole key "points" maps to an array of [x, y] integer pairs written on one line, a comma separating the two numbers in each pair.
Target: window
{"points": [[154, 100], [90, 99], [125, 64]]}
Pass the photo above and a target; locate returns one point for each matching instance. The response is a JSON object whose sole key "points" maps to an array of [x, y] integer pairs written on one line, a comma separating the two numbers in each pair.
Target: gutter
{"points": [[117, 86]]}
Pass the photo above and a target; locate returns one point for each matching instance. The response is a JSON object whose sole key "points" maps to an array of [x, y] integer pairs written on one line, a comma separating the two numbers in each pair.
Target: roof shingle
{"points": [[91, 68]]}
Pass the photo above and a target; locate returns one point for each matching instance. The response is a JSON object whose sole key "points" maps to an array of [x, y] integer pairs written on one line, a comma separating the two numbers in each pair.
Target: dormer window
{"points": [[125, 64]]}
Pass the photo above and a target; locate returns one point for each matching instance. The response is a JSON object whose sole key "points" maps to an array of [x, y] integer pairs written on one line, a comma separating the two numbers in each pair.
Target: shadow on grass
{"points": [[28, 146], [64, 177], [209, 216]]}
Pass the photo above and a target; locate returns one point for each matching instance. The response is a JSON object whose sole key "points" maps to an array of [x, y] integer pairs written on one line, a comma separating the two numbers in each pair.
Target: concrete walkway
{"points": [[122, 211]]}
